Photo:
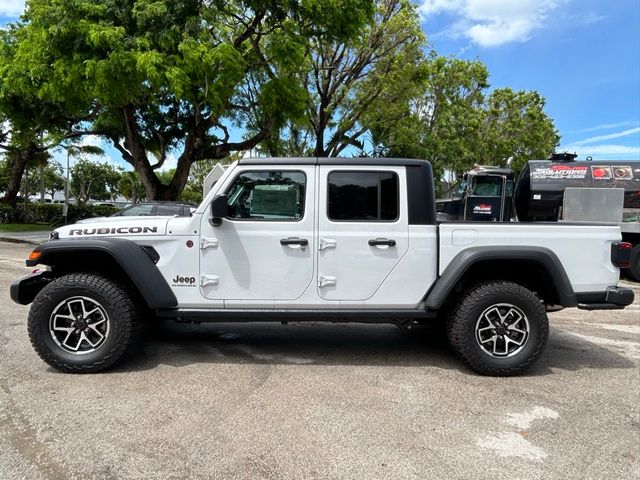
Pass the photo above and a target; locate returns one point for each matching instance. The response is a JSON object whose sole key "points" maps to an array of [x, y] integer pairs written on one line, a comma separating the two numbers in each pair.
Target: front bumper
{"points": [[24, 290], [614, 298]]}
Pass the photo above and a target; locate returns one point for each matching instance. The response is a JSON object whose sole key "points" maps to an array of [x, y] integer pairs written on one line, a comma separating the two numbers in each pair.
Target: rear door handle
{"points": [[303, 242], [376, 242]]}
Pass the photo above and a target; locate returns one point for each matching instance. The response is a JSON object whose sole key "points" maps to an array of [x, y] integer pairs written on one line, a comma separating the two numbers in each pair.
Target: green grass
{"points": [[24, 227]]}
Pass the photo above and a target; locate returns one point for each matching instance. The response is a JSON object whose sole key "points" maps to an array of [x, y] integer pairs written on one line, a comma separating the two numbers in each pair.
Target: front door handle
{"points": [[303, 242], [376, 242]]}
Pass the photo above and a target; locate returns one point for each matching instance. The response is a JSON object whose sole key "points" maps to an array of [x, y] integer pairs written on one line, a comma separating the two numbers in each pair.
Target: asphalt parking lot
{"points": [[305, 401]]}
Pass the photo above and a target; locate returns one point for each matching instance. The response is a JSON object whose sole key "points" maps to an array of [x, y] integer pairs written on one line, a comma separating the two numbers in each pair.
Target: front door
{"points": [[263, 250], [362, 229]]}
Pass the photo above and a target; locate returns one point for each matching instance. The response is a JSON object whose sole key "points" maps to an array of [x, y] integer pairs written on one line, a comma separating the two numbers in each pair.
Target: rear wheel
{"points": [[498, 328], [82, 323]]}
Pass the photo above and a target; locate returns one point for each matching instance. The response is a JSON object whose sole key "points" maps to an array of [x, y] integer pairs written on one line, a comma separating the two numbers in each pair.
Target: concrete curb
{"points": [[30, 238], [19, 240]]}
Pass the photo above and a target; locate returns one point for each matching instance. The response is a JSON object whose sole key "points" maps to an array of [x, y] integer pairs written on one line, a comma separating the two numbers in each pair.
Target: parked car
{"points": [[158, 209], [149, 209]]}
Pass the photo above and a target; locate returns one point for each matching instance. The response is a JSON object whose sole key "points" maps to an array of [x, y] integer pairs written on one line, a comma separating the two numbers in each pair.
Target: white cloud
{"points": [[11, 8], [490, 23], [609, 136], [92, 141], [604, 150], [170, 162], [606, 126], [585, 18]]}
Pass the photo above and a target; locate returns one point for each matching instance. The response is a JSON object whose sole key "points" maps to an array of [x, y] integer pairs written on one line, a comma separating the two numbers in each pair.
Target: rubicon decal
{"points": [[112, 231]]}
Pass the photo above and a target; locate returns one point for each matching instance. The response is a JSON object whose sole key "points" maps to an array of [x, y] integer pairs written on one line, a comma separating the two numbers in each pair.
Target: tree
{"points": [[440, 123], [455, 123], [162, 76], [351, 83], [200, 170], [188, 194], [130, 186], [515, 124], [46, 177], [53, 179], [20, 145], [93, 180], [5, 170], [30, 124]]}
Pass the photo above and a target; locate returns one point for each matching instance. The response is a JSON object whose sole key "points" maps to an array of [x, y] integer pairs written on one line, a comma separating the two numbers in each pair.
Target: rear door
{"points": [[362, 229]]}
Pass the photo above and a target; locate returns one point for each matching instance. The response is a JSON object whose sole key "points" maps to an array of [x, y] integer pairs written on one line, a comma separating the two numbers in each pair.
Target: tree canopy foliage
{"points": [[199, 81], [455, 121], [130, 186], [350, 80], [157, 75], [30, 125], [93, 180]]}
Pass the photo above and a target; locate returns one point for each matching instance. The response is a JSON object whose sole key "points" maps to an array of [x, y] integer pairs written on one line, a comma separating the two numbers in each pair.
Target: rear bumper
{"points": [[613, 298]]}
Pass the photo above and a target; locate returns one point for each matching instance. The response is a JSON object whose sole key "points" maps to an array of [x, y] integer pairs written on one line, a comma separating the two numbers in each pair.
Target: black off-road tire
{"points": [[118, 306], [465, 316]]}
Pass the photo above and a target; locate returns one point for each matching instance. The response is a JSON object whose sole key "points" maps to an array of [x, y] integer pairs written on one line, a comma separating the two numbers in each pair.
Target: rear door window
{"points": [[363, 196]]}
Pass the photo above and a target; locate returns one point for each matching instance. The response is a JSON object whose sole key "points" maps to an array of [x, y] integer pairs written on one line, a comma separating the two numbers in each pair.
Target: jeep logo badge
{"points": [[184, 281]]}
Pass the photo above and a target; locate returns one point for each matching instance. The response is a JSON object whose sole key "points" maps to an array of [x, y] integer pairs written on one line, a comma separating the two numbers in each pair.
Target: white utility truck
{"points": [[335, 239]]}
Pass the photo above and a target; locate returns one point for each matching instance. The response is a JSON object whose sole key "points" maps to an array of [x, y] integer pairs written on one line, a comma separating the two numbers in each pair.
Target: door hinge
{"points": [[326, 281], [326, 243], [209, 280], [208, 243]]}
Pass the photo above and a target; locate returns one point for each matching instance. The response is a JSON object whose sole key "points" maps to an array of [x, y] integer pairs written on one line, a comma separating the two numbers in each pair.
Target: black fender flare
{"points": [[136, 263], [462, 262]]}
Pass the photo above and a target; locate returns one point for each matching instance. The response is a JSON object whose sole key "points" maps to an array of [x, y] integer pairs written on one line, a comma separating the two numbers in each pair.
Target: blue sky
{"points": [[582, 55]]}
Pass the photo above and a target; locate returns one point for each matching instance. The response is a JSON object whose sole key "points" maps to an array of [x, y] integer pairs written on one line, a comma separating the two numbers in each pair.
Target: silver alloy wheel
{"points": [[79, 325], [502, 330]]}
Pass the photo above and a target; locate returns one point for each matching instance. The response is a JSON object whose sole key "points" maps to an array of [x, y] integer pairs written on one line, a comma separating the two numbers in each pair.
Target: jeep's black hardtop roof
{"points": [[333, 161]]}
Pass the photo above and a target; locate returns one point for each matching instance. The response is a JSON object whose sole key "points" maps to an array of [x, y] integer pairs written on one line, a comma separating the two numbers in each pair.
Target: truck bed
{"points": [[573, 244]]}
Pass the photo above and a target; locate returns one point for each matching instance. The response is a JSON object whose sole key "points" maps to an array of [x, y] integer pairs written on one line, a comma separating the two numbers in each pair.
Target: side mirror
{"points": [[219, 209]]}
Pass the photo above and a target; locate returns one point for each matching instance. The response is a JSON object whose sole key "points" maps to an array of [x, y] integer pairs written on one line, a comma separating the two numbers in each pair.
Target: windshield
{"points": [[462, 188], [487, 186], [136, 210]]}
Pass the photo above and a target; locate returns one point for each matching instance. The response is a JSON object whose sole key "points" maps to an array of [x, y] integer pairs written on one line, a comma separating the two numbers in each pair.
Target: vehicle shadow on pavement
{"points": [[569, 352], [306, 343], [338, 344]]}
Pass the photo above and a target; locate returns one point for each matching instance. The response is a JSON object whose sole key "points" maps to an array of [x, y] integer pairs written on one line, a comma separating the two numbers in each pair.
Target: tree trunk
{"points": [[42, 189], [179, 180], [196, 148], [20, 159], [138, 155]]}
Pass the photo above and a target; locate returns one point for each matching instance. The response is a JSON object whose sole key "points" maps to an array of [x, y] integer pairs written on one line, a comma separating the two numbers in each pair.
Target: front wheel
{"points": [[498, 328], [82, 323]]}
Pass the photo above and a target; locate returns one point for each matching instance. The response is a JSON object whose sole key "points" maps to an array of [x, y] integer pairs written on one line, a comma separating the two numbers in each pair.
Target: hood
{"points": [[115, 227]]}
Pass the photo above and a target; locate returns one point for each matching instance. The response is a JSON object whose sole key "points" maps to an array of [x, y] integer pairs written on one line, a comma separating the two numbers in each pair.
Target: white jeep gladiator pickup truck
{"points": [[353, 240]]}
